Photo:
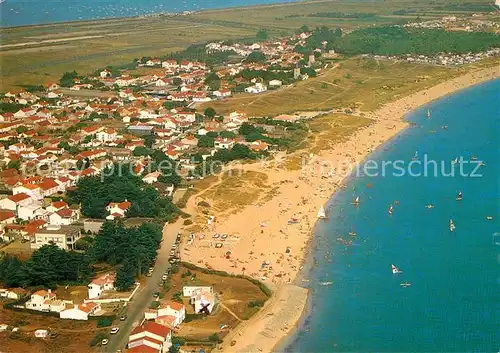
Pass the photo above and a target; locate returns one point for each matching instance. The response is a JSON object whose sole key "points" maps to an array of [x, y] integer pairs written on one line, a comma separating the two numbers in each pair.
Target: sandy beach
{"points": [[269, 240]]}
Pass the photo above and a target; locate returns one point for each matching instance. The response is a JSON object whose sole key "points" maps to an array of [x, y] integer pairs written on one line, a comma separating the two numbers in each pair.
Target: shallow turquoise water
{"points": [[453, 303], [28, 12]]}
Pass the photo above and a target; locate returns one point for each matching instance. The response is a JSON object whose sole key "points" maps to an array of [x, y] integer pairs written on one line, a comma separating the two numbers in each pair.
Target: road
{"points": [[144, 296]]}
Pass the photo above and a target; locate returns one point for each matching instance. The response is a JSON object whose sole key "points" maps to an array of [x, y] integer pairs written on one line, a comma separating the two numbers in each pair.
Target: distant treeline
{"points": [[343, 15], [197, 52], [404, 12], [468, 6], [399, 41]]}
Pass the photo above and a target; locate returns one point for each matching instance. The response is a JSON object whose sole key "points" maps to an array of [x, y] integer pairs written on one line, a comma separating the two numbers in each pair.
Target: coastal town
{"points": [[101, 175]]}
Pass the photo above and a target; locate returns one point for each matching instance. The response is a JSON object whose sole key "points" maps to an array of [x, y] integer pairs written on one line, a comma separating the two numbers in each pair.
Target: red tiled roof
{"points": [[4, 215], [142, 349], [19, 197], [152, 327]]}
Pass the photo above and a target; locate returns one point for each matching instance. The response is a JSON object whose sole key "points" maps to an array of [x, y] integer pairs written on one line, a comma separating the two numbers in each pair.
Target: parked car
{"points": [[104, 341], [172, 253], [164, 277], [53, 334], [156, 295], [114, 330], [123, 317]]}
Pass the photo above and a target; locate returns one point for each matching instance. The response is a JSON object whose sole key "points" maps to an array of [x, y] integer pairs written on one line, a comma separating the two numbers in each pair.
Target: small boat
{"points": [[325, 283], [415, 156], [391, 209], [395, 270], [429, 206], [428, 113], [352, 234], [356, 201], [452, 225], [459, 196], [473, 158], [455, 161], [444, 127], [405, 284], [321, 213], [489, 218]]}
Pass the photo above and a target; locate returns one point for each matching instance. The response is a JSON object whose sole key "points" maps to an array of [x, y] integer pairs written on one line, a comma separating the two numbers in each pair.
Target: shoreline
{"points": [[275, 326]]}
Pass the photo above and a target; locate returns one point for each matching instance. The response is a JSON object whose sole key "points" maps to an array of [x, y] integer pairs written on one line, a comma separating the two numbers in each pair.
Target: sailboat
{"points": [[428, 113], [415, 157], [395, 270], [321, 213], [452, 225], [455, 161], [459, 196], [356, 201], [391, 209], [429, 206]]}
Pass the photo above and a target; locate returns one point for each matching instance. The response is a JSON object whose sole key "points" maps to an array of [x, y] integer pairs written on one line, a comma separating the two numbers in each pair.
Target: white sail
{"points": [[452, 225], [321, 212], [395, 270]]}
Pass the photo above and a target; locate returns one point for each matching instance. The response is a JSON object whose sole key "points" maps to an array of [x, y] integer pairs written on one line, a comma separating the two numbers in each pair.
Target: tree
{"points": [[141, 151], [247, 129], [177, 81], [304, 29], [67, 79], [125, 277], [205, 141], [262, 34], [227, 134], [256, 57], [338, 32], [210, 112], [14, 164], [21, 129]]}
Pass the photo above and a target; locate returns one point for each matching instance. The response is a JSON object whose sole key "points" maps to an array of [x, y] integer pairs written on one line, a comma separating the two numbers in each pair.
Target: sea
{"points": [[31, 12], [453, 302]]}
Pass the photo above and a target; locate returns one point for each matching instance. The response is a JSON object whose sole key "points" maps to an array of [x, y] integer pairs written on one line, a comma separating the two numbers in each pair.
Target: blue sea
{"points": [[453, 303], [30, 12]]}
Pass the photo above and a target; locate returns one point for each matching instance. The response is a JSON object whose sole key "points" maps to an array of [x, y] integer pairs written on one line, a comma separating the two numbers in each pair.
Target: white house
{"points": [[100, 284], [32, 190], [80, 312], [222, 93], [12, 293], [105, 73], [258, 88], [221, 142], [65, 217], [14, 201], [40, 300], [117, 209], [151, 177], [170, 314], [161, 82], [152, 335], [203, 298], [107, 135], [275, 83]]}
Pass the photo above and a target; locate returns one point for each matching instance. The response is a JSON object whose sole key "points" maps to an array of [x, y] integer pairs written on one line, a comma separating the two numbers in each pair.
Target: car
{"points": [[156, 295], [114, 330], [174, 246], [172, 253], [151, 269], [164, 277], [53, 334], [104, 341], [172, 261], [123, 317], [149, 274]]}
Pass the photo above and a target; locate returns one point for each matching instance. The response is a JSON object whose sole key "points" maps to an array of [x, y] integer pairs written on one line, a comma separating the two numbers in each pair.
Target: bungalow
{"points": [[14, 201], [150, 335], [81, 311], [170, 314], [62, 236], [170, 64], [12, 293], [56, 206], [105, 73], [258, 88], [91, 155], [107, 135], [117, 209], [222, 93], [153, 62], [7, 217], [151, 177], [65, 217], [162, 82], [275, 83], [48, 187], [203, 298], [40, 300], [100, 284], [259, 146], [226, 143]]}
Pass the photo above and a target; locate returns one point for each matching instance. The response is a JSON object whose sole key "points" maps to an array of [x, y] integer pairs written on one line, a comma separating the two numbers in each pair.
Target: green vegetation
{"points": [[256, 57], [197, 52], [132, 248], [256, 303], [400, 41], [99, 336], [96, 192], [6, 107], [361, 15], [47, 267], [104, 322], [214, 338]]}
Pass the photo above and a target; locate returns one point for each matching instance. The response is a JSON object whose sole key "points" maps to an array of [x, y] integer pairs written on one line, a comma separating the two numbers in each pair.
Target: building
{"points": [[202, 298], [12, 293], [170, 314], [221, 142], [40, 300], [117, 209], [100, 284], [65, 216], [150, 335], [258, 88], [80, 311], [62, 236], [14, 201]]}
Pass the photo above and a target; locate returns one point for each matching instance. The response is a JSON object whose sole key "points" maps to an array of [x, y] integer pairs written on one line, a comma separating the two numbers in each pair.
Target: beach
{"points": [[269, 240]]}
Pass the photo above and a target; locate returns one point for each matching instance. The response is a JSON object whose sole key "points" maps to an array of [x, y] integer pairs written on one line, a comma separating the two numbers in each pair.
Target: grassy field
{"points": [[234, 295], [361, 83], [40, 54]]}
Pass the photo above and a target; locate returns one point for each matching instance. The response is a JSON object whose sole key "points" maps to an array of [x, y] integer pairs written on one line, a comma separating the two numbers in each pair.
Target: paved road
{"points": [[144, 296]]}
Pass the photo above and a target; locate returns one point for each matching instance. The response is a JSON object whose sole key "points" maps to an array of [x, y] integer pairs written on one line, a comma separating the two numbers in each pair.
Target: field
{"points": [[73, 336], [234, 294], [40, 54], [354, 83]]}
